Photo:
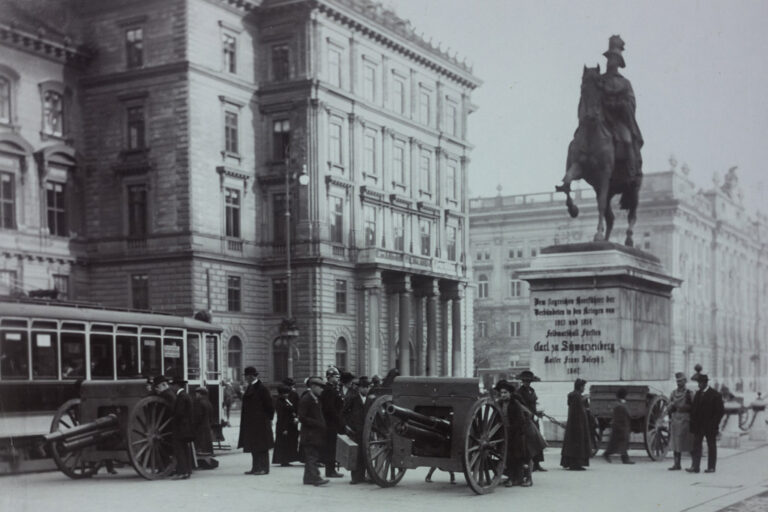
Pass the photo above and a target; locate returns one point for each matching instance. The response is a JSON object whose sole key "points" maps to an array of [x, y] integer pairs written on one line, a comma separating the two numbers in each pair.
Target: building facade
{"points": [[296, 168], [704, 237]]}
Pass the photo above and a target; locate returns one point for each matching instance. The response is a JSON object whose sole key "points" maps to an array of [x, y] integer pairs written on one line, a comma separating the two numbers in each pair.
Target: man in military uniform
{"points": [[619, 112], [529, 398], [332, 403]]}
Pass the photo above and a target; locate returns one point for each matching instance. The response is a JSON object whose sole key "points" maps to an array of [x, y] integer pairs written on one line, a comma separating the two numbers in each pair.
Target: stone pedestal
{"points": [[730, 437], [601, 312], [759, 429]]}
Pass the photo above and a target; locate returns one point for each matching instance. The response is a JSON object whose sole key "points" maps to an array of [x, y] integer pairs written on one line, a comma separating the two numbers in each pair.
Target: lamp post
{"points": [[288, 329]]}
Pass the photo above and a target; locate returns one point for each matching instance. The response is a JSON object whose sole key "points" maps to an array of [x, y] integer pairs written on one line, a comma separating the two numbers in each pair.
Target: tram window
{"points": [[193, 356], [212, 357], [127, 356], [173, 362], [150, 355], [101, 356], [44, 355], [14, 358], [72, 355]]}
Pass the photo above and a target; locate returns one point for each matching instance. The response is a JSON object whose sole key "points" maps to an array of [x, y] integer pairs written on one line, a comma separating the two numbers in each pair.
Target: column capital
{"points": [[401, 284], [370, 280], [426, 287], [452, 291]]}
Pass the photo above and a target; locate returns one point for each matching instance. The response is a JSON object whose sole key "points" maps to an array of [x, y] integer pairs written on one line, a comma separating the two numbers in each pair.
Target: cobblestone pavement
{"points": [[758, 503]]}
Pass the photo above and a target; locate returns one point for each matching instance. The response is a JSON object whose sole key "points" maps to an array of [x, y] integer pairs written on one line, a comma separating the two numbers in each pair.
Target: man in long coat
{"points": [[332, 404], [517, 448], [312, 430], [577, 445], [354, 420], [256, 423], [680, 401], [706, 412], [529, 399], [287, 434], [620, 428], [183, 434]]}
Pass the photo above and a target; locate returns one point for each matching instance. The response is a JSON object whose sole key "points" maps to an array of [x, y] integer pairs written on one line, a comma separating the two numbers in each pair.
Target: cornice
{"points": [[40, 45], [130, 75]]}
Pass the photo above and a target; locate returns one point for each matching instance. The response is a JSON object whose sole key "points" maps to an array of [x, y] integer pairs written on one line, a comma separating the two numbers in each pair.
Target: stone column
{"points": [[402, 286], [432, 336], [369, 354], [444, 344], [456, 334], [418, 342]]}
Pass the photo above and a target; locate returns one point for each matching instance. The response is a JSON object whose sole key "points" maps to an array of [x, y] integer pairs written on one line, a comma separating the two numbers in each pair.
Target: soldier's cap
{"points": [[679, 376], [527, 375], [289, 382], [332, 370], [315, 381], [250, 370]]}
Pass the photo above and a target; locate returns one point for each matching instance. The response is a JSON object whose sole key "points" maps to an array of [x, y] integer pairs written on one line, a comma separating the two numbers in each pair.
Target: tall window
{"points": [[7, 201], [135, 117], [398, 230], [450, 180], [398, 162], [424, 107], [334, 150], [229, 48], [370, 226], [341, 353], [281, 139], [5, 100], [53, 113], [281, 62], [56, 206], [279, 296], [8, 282], [61, 285], [278, 218], [337, 220], [233, 293], [482, 286], [450, 244], [369, 153], [482, 329], [230, 132], [234, 358], [134, 47], [398, 94], [137, 210], [140, 291], [425, 226], [341, 296], [334, 65], [515, 287], [514, 328], [426, 172], [450, 118], [369, 82], [232, 204]]}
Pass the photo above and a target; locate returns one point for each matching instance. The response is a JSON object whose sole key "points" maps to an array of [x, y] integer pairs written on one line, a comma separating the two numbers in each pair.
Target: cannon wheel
{"points": [[596, 435], [378, 432], [72, 463], [148, 438], [485, 447], [657, 428]]}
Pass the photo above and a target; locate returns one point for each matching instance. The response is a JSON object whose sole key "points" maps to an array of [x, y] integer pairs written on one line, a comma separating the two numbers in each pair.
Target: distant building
{"points": [[144, 150], [704, 237]]}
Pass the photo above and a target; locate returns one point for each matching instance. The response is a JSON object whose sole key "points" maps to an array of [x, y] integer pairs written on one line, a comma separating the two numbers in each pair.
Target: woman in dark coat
{"points": [[256, 423], [517, 453], [287, 431], [577, 445]]}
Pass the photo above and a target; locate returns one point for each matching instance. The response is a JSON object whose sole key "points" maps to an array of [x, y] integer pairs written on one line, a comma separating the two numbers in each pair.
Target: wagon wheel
{"points": [[596, 435], [378, 433], [656, 433], [148, 438], [70, 463], [485, 447]]}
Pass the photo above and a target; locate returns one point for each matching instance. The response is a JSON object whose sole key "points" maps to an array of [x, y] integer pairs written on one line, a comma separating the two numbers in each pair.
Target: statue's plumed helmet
{"points": [[615, 47]]}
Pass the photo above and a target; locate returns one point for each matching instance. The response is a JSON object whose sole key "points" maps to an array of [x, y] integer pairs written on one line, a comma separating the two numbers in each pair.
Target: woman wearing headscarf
{"points": [[577, 445]]}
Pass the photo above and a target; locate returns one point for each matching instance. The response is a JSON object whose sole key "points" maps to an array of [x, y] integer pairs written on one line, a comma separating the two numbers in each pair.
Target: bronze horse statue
{"points": [[592, 156]]}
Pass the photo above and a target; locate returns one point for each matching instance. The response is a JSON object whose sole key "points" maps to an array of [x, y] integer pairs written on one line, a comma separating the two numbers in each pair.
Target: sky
{"points": [[699, 71]]}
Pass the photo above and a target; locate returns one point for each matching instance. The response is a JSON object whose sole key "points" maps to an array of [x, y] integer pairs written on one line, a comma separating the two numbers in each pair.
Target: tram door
{"points": [[212, 373]]}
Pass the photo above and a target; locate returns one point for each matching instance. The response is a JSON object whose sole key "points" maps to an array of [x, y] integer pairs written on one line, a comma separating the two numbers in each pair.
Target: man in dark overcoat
{"points": [[529, 399], [287, 429], [332, 404], [256, 423], [620, 428], [312, 430], [183, 433], [706, 412], [577, 445], [354, 420]]}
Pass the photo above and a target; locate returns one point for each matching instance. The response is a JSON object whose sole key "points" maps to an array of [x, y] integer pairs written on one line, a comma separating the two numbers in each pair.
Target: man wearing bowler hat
{"points": [[529, 398], [313, 430], [256, 423], [183, 433], [706, 412]]}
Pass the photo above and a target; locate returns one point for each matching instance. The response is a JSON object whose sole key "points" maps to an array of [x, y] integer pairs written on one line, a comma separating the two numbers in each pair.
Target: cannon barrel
{"points": [[417, 432], [86, 434], [438, 425]]}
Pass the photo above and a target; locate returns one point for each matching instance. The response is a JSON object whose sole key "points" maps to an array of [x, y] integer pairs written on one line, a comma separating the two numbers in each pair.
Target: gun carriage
{"points": [[434, 422], [114, 421]]}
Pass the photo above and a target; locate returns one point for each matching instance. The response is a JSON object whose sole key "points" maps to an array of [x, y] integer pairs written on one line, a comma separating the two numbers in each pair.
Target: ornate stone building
{"points": [[189, 126], [704, 237]]}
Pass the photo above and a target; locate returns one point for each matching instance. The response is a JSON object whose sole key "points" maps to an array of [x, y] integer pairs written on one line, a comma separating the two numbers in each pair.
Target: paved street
{"points": [[646, 486]]}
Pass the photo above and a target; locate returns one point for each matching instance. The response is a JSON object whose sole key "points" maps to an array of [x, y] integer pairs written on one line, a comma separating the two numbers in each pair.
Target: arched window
{"points": [[280, 358], [341, 353], [235, 358], [482, 286]]}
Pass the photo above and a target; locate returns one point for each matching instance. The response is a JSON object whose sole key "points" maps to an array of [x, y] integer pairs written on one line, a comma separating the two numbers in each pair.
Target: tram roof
{"points": [[85, 312]]}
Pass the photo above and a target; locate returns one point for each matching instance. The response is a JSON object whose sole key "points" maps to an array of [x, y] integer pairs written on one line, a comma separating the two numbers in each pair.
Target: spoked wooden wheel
{"points": [[70, 463], [596, 435], [657, 428], [148, 438], [378, 433], [485, 447]]}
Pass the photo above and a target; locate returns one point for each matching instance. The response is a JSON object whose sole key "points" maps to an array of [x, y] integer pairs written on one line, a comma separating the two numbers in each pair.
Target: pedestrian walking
{"points": [[256, 423], [518, 458], [530, 400], [680, 402], [182, 431], [332, 404], [287, 429], [354, 420], [577, 446], [620, 427], [313, 429], [707, 410]]}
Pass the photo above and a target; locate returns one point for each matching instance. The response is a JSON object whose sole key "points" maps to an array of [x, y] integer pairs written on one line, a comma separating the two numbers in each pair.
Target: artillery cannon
{"points": [[114, 421], [435, 422]]}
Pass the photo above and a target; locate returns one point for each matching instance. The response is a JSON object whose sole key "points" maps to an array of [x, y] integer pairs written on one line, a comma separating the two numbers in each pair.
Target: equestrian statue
{"points": [[605, 150]]}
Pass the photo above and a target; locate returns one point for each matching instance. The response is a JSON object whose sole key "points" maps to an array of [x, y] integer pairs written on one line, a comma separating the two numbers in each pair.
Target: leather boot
{"points": [[676, 466]]}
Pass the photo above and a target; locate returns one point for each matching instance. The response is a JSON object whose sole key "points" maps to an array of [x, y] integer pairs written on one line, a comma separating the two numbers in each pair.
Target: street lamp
{"points": [[288, 329]]}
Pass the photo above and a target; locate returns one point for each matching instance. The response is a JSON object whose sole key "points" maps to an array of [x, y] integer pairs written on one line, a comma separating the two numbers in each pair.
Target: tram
{"points": [[48, 347]]}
